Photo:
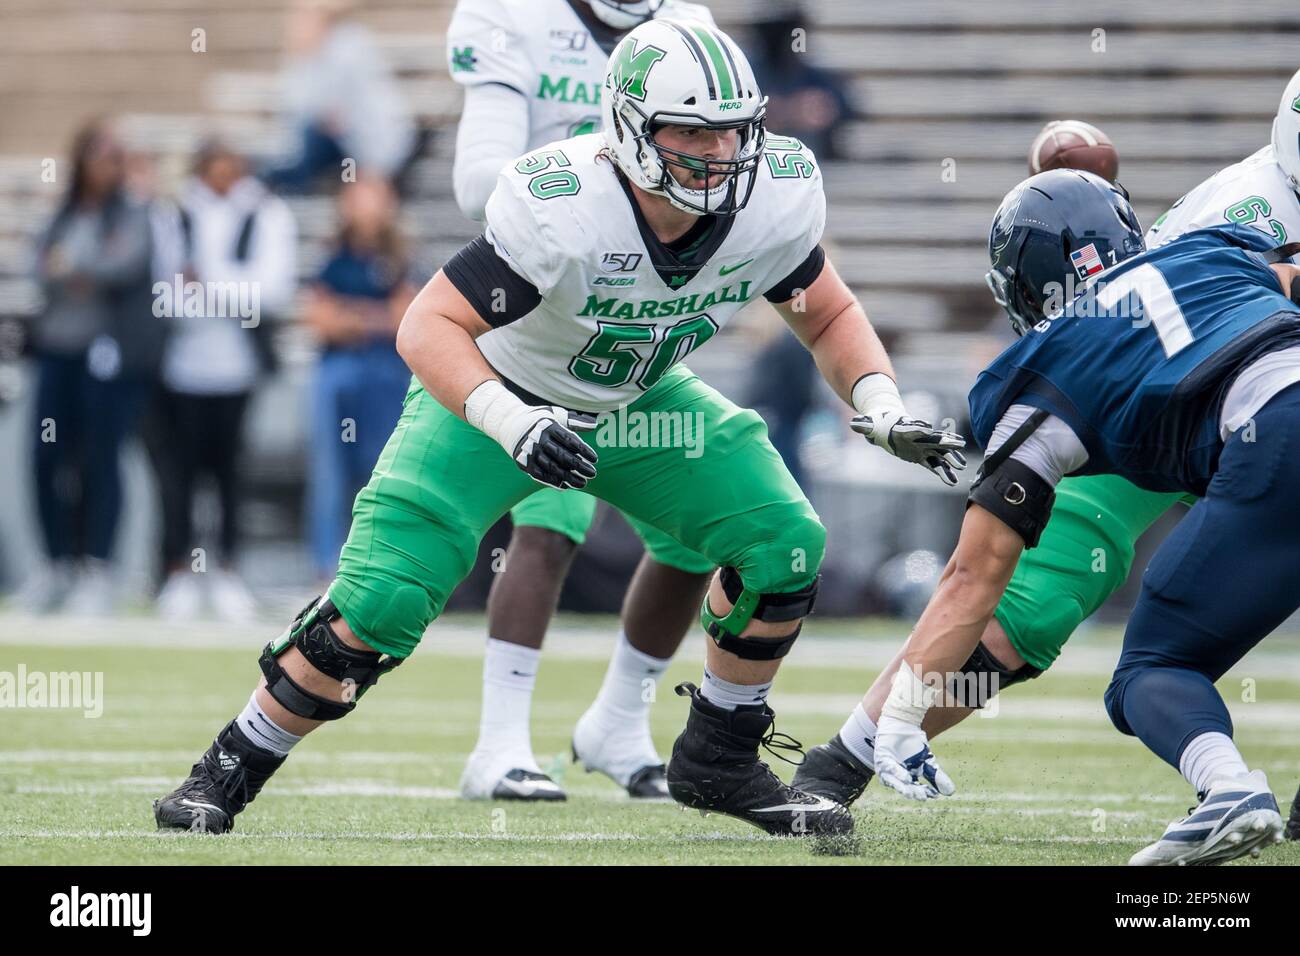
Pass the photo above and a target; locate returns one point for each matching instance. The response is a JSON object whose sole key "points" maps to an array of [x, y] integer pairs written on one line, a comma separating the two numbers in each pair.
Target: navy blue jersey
{"points": [[1138, 365]]}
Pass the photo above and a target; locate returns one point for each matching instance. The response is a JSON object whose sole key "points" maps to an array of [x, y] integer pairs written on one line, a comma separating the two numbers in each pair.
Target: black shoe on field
{"points": [[223, 782], [649, 783], [1292, 831], [715, 768], [829, 770]]}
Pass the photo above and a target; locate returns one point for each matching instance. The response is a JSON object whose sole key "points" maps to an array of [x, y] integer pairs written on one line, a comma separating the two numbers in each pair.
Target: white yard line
{"points": [[462, 635], [1040, 710], [983, 805], [657, 839], [126, 757]]}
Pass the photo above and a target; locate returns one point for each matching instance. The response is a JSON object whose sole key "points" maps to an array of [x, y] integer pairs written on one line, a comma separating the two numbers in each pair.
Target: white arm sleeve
{"points": [[1052, 451], [493, 131]]}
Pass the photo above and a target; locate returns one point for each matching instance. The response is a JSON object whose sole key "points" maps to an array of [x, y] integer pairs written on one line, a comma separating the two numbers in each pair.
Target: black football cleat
{"points": [[649, 783], [715, 769], [1292, 831], [220, 785], [829, 770]]}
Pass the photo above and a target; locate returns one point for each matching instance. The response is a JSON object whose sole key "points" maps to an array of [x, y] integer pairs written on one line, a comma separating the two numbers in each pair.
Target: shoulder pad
{"points": [[484, 46]]}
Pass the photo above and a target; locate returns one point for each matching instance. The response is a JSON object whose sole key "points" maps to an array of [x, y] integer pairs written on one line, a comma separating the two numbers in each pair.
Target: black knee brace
{"points": [[746, 605], [990, 676], [311, 633]]}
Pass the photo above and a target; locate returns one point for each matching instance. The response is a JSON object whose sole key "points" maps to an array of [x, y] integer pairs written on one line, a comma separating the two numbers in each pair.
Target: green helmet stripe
{"points": [[726, 48], [698, 54], [725, 85]]}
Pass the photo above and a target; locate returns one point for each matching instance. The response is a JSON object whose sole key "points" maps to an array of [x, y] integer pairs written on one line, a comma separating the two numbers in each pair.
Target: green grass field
{"points": [[1046, 780]]}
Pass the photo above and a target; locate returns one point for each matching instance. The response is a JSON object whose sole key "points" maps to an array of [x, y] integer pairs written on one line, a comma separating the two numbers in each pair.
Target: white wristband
{"points": [[490, 408], [909, 697], [877, 395]]}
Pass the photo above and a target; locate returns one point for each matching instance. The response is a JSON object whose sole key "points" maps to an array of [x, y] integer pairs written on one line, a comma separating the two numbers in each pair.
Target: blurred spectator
{"points": [[354, 308], [238, 245], [804, 101], [341, 98], [782, 391], [96, 346]]}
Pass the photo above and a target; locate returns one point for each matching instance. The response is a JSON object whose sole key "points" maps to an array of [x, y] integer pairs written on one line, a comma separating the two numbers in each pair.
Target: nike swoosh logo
{"points": [[526, 788], [727, 270], [195, 805], [821, 804]]}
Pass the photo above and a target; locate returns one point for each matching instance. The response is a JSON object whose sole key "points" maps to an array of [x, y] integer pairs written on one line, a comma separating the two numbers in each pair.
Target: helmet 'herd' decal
{"points": [[631, 67]]}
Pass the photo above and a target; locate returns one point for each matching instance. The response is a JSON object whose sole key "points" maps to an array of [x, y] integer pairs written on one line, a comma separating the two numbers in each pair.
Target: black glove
{"points": [[550, 451]]}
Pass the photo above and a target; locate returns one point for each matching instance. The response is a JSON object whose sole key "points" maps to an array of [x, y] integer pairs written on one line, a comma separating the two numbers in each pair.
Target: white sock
{"points": [[859, 735], [729, 696], [1208, 757], [630, 682], [262, 731], [509, 672]]}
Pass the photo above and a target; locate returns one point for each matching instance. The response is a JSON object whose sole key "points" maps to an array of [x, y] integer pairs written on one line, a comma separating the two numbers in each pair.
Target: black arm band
{"points": [[1017, 496], [498, 294], [804, 275]]}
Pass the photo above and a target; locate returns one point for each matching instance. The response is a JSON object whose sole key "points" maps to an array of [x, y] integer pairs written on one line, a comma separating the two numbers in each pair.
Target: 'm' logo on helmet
{"points": [[631, 66]]}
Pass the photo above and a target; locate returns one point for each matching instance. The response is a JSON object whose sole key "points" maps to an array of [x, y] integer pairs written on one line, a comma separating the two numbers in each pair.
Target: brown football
{"points": [[1074, 144]]}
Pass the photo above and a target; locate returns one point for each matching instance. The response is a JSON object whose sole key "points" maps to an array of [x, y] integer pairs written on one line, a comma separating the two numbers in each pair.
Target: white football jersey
{"points": [[541, 49], [609, 325], [1253, 192]]}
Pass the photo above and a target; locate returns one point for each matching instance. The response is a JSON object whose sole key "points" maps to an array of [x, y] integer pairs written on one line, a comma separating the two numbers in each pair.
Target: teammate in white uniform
{"points": [[1260, 191], [533, 72]]}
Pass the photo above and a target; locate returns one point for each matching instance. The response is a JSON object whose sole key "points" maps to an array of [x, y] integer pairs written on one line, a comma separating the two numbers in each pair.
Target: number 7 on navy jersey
{"points": [[1158, 305]]}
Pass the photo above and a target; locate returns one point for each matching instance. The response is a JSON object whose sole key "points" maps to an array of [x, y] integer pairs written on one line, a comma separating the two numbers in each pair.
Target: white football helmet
{"points": [[625, 14], [1286, 132], [690, 74]]}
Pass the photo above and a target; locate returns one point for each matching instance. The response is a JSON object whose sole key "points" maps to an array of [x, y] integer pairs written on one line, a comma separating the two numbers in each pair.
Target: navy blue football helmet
{"points": [[1055, 231]]}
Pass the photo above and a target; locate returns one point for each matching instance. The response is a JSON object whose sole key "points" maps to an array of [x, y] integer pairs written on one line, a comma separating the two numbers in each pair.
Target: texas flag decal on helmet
{"points": [[1086, 262]]}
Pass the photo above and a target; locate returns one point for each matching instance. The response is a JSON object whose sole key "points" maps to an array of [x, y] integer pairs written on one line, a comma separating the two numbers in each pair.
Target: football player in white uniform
{"points": [[520, 348], [533, 72], [1260, 191]]}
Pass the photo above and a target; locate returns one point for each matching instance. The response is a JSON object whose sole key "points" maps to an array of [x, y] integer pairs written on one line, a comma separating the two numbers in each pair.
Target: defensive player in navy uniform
{"points": [[1089, 546], [1175, 369]]}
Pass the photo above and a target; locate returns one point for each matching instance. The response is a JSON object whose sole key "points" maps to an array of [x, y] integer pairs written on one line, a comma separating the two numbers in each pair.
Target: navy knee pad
{"points": [[1165, 706], [1114, 699]]}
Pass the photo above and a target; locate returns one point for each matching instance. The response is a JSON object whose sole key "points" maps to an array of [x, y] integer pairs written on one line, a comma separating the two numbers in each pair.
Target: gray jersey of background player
{"points": [[532, 72]]}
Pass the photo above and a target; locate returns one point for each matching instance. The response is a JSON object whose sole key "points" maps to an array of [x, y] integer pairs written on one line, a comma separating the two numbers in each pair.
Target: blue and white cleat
{"points": [[1236, 817]]}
